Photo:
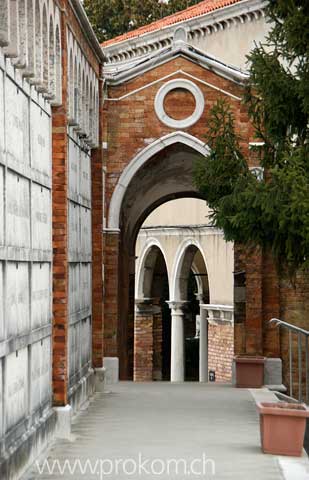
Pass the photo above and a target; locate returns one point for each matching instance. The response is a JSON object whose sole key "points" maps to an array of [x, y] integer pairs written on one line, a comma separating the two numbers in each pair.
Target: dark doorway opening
{"points": [[191, 338]]}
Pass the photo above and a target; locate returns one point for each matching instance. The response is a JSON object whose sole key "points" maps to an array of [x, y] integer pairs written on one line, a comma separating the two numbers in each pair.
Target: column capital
{"points": [[177, 305], [200, 297], [146, 306]]}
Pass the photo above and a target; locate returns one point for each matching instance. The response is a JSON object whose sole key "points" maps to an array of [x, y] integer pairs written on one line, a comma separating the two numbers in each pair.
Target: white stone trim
{"points": [[185, 85], [152, 242], [151, 84], [203, 25], [127, 71], [31, 41], [179, 230], [199, 281], [181, 251], [139, 160], [224, 313]]}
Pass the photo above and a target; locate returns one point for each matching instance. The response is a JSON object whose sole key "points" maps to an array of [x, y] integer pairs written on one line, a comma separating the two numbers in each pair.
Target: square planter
{"points": [[283, 427], [249, 371]]}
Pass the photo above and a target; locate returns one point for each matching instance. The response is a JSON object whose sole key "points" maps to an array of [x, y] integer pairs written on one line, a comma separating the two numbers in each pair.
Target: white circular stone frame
{"points": [[185, 85]]}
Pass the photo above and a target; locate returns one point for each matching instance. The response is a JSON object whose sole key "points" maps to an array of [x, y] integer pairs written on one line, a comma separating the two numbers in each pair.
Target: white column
{"points": [[203, 354], [177, 342]]}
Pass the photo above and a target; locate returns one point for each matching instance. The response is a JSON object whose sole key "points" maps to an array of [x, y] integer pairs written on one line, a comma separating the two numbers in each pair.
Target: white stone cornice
{"points": [[211, 20], [116, 75], [219, 314]]}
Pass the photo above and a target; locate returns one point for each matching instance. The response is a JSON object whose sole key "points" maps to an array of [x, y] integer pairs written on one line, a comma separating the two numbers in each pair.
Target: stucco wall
{"points": [[232, 44], [184, 211]]}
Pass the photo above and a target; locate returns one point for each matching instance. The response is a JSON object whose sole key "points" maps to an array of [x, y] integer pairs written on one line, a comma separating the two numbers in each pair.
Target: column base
{"points": [[111, 365], [64, 420], [99, 379]]}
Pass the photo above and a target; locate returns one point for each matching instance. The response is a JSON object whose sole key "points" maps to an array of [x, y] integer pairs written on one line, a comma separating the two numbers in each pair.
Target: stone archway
{"points": [[140, 161], [170, 162], [149, 322], [189, 256]]}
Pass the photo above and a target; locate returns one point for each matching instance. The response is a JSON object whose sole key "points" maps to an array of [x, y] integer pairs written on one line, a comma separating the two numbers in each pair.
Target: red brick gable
{"points": [[201, 8]]}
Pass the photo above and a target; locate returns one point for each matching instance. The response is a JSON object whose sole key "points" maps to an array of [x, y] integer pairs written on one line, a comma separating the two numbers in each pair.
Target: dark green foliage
{"points": [[111, 18], [272, 213]]}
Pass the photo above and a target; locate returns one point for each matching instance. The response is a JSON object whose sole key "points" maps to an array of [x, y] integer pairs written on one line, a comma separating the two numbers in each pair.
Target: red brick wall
{"points": [[60, 236], [254, 305], [294, 309], [111, 258], [157, 346], [132, 120], [143, 347], [271, 307], [221, 351], [97, 243]]}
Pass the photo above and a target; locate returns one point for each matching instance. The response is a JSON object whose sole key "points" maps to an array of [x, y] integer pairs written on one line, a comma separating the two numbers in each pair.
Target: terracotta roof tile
{"points": [[195, 11]]}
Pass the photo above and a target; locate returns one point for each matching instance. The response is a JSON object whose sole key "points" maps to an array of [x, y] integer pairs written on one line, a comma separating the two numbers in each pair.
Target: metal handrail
{"points": [[301, 333]]}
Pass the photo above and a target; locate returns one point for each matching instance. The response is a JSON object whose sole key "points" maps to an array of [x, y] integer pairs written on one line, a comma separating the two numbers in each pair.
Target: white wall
{"points": [[25, 254], [80, 256], [234, 43], [184, 211]]}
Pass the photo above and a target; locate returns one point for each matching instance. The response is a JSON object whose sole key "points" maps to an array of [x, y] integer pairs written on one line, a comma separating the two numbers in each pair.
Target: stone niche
{"points": [[17, 299], [18, 211], [16, 387], [16, 127], [41, 218], [40, 295], [40, 141]]}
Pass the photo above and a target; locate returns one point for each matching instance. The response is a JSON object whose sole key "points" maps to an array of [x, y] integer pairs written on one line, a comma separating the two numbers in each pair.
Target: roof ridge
{"points": [[210, 5]]}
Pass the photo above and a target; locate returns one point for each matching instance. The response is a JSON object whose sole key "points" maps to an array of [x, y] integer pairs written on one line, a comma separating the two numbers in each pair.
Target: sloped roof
{"points": [[201, 8]]}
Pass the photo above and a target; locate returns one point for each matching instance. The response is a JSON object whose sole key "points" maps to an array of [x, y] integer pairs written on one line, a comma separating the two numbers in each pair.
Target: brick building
{"points": [[92, 140]]}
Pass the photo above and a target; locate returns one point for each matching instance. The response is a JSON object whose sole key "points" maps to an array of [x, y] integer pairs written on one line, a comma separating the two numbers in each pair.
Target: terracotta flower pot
{"points": [[249, 371], [282, 427]]}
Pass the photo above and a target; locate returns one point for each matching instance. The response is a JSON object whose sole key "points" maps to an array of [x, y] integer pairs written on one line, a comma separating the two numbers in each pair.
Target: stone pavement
{"points": [[162, 423]]}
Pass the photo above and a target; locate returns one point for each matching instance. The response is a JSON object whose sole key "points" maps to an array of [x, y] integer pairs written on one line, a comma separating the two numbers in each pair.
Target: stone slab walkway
{"points": [[204, 431]]}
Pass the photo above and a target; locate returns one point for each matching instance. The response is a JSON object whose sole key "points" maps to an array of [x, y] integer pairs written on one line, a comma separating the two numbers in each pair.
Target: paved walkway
{"points": [[165, 422]]}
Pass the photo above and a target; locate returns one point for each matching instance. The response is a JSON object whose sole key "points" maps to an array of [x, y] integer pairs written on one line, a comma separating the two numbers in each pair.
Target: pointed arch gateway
{"points": [[140, 160], [162, 171]]}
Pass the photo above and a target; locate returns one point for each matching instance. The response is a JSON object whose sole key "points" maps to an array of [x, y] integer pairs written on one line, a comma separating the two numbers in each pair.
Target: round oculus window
{"points": [[179, 103]]}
